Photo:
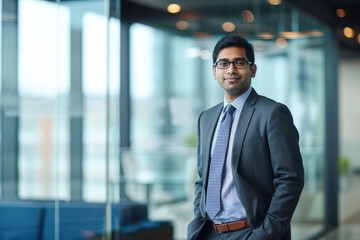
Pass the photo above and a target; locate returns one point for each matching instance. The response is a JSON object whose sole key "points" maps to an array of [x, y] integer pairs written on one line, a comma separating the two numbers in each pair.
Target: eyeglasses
{"points": [[237, 63]]}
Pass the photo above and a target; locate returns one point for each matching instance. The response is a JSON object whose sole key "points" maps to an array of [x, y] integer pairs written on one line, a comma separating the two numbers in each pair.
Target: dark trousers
{"points": [[208, 233]]}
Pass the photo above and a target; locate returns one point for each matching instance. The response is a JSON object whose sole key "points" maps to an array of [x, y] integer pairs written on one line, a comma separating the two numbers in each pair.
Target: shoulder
{"points": [[256, 100], [267, 104], [269, 107]]}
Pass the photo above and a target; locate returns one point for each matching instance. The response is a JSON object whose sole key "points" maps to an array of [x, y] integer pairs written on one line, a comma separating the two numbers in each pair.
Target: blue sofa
{"points": [[77, 221], [20, 221]]}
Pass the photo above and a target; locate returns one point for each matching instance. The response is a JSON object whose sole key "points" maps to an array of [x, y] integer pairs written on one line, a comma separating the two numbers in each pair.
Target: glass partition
{"points": [[44, 81], [60, 109], [176, 84], [62, 163]]}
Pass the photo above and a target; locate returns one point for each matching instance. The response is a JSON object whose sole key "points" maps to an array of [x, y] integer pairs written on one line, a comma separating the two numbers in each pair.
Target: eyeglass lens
{"points": [[238, 63]]}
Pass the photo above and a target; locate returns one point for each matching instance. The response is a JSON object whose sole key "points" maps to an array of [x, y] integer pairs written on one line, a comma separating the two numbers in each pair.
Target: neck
{"points": [[230, 97]]}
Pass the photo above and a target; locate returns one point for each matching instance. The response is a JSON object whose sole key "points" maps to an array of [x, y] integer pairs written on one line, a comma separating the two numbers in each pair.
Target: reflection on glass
{"points": [[43, 85], [95, 109], [94, 85]]}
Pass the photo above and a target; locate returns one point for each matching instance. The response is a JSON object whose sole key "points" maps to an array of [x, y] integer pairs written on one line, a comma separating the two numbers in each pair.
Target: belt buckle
{"points": [[220, 228]]}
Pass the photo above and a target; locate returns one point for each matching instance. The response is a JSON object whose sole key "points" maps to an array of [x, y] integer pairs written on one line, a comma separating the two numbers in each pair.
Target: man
{"points": [[249, 162]]}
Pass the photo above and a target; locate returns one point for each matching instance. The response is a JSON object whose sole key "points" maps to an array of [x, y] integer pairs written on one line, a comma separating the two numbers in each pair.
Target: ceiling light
{"points": [[315, 33], [340, 13], [201, 34], [349, 32], [281, 42], [228, 27], [247, 16], [174, 8], [274, 2], [205, 54], [266, 35], [182, 25], [292, 35]]}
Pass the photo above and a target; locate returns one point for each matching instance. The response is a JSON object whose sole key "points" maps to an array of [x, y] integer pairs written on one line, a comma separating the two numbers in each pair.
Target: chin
{"points": [[233, 92], [237, 91]]}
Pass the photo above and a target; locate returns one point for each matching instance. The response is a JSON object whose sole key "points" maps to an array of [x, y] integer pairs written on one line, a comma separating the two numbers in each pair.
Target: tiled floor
{"points": [[350, 230], [344, 232]]}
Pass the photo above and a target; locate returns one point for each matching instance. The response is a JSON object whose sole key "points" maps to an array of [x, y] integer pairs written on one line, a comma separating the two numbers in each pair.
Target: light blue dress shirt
{"points": [[231, 207]]}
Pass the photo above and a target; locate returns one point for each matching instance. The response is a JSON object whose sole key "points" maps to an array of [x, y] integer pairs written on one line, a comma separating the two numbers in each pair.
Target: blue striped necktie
{"points": [[213, 194]]}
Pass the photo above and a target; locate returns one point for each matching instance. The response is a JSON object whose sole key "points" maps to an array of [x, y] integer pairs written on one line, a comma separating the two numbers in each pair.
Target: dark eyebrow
{"points": [[223, 59], [226, 59]]}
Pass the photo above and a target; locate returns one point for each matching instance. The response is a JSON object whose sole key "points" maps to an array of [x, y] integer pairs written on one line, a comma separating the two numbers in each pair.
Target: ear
{"points": [[214, 71], [253, 70]]}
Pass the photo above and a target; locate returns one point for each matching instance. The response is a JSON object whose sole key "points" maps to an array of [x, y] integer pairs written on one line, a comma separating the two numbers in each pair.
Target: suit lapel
{"points": [[243, 124], [209, 127]]}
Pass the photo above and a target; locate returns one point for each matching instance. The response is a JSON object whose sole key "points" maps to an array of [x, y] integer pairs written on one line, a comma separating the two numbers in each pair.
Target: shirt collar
{"points": [[239, 102]]}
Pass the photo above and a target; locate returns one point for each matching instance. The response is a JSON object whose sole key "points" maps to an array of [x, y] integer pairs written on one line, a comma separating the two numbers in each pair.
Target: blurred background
{"points": [[100, 99]]}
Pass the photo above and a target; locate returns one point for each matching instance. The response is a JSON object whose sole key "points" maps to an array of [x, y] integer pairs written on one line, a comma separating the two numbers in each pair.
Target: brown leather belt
{"points": [[231, 226]]}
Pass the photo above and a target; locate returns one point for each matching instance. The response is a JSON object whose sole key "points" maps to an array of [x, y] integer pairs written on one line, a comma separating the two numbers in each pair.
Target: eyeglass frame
{"points": [[233, 62]]}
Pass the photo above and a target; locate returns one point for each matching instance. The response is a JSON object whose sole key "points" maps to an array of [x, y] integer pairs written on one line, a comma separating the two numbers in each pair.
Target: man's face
{"points": [[234, 81]]}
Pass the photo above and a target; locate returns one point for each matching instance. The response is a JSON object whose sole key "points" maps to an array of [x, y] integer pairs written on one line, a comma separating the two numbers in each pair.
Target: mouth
{"points": [[232, 79]]}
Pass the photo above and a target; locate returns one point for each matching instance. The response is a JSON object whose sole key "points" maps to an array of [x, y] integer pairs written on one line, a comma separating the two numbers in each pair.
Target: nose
{"points": [[231, 68]]}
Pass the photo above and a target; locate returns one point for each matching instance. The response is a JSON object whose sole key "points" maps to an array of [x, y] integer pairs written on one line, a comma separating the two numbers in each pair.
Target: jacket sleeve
{"points": [[200, 181], [288, 171]]}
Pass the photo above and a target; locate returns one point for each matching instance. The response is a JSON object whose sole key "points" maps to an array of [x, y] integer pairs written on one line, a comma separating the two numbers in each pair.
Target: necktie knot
{"points": [[230, 109]]}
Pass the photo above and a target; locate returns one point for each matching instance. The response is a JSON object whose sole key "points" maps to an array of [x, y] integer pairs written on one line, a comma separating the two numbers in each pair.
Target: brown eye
{"points": [[223, 64], [240, 63]]}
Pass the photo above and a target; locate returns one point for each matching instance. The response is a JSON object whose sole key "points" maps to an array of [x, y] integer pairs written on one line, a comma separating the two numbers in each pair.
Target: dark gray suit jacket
{"points": [[266, 165]]}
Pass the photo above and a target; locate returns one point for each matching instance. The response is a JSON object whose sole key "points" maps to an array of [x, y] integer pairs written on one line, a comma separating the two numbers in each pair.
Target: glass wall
{"points": [[65, 74], [349, 165], [175, 84], [62, 161], [44, 82], [349, 139], [59, 119]]}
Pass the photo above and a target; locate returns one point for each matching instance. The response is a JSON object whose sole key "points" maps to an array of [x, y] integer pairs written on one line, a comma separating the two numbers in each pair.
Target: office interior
{"points": [[100, 101]]}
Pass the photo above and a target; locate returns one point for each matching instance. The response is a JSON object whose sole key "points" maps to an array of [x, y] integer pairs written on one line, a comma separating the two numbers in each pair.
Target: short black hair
{"points": [[233, 40]]}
